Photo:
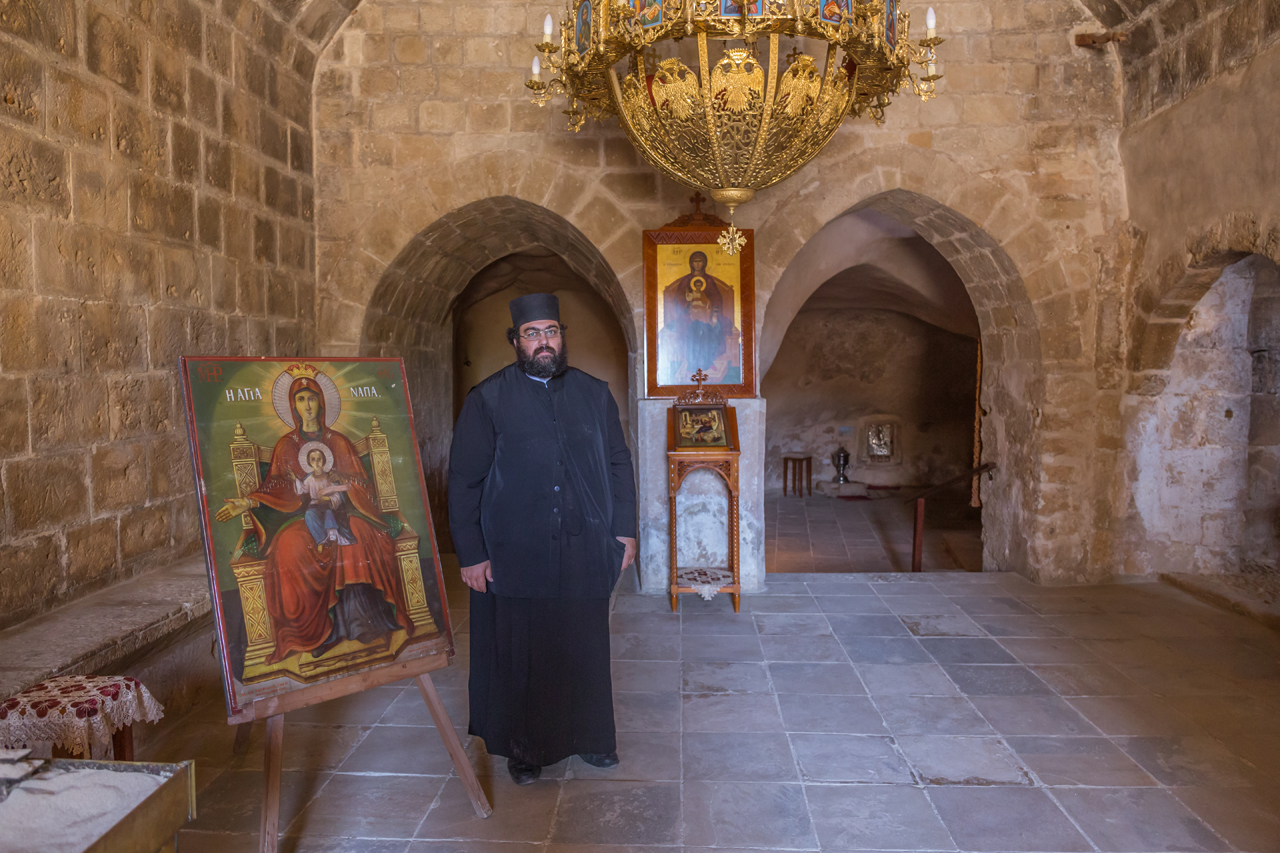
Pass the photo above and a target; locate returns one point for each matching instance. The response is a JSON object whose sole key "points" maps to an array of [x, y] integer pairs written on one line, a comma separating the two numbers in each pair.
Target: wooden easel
{"points": [[273, 709]]}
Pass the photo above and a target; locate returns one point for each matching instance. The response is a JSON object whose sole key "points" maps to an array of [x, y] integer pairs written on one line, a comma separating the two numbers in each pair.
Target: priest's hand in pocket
{"points": [[477, 576], [629, 555]]}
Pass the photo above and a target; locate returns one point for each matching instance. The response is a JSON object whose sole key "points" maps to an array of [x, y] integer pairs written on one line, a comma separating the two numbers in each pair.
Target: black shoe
{"points": [[600, 759], [521, 773]]}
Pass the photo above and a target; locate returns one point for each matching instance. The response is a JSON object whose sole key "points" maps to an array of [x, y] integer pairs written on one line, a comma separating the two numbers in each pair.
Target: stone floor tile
{"points": [[321, 844], [378, 806], [644, 623], [1087, 680], [719, 624], [832, 714], [1048, 650], [854, 625], [838, 588], [941, 626], [233, 801], [1249, 819], [885, 650], [731, 712], [605, 812], [643, 756], [921, 605], [870, 605], [411, 750], [645, 676], [695, 605], [1010, 625], [791, 624], [814, 648], [995, 680], [931, 715], [714, 677], [1091, 761], [875, 817], [646, 712], [806, 677], [363, 708], [743, 814], [310, 747], [1032, 715], [1137, 819], [642, 604], [1143, 651], [472, 846], [645, 646], [850, 758], [1089, 626], [780, 604], [520, 812], [1003, 817], [947, 650], [1050, 603], [918, 679], [1134, 715], [945, 760], [408, 709], [738, 757], [720, 648], [987, 605], [1194, 760]]}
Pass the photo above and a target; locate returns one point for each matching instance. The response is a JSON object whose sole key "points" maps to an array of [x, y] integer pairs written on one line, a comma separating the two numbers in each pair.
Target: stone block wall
{"points": [[1173, 47], [155, 201]]}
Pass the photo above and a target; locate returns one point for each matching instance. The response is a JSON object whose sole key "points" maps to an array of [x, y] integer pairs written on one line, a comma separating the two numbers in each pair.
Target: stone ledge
{"points": [[1248, 595], [106, 629]]}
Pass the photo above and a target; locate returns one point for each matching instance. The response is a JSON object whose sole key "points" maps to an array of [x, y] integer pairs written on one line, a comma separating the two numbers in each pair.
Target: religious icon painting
{"points": [[582, 27], [834, 11], [701, 426], [650, 12], [317, 531], [732, 7], [699, 309], [891, 22]]}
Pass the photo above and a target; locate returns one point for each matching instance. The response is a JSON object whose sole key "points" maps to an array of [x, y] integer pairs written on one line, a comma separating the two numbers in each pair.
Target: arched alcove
{"points": [[992, 304], [1205, 449], [411, 311]]}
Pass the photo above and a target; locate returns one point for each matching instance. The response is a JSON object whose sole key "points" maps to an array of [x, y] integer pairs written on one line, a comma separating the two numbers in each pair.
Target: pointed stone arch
{"points": [[409, 312], [1013, 377]]}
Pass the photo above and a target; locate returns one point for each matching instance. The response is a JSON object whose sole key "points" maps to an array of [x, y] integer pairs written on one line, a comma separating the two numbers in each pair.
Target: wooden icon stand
{"points": [[702, 432], [273, 709]]}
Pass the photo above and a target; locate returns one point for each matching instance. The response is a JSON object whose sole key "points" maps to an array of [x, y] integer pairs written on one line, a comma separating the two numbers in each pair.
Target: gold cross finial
{"points": [[697, 200], [699, 377]]}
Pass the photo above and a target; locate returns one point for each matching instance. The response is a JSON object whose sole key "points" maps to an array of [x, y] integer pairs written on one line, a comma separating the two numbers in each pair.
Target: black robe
{"points": [[540, 484]]}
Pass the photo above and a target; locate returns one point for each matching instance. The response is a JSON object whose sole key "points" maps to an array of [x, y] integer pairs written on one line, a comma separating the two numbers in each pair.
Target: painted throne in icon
{"points": [[250, 462]]}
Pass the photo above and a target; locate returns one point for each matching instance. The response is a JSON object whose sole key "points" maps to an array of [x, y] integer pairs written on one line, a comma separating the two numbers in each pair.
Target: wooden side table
{"points": [[794, 466]]}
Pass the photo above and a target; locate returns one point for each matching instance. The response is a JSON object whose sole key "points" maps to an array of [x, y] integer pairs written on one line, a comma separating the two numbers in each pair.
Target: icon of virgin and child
{"points": [[331, 570], [698, 331]]}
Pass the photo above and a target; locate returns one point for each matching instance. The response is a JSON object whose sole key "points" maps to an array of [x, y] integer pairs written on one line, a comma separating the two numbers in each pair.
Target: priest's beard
{"points": [[544, 362]]}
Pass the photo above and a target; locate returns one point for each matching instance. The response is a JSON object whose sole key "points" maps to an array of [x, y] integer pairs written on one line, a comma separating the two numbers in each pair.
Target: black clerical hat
{"points": [[534, 306]]}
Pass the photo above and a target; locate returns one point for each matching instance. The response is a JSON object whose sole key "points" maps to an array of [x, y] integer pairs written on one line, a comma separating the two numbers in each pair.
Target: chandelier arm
{"points": [[766, 115], [708, 103]]}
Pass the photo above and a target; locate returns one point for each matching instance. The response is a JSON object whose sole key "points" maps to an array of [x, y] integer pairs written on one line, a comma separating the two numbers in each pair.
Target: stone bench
{"points": [[111, 630]]}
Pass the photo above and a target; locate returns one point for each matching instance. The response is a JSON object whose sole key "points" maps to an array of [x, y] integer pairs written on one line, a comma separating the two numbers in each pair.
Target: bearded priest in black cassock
{"points": [[542, 509]]}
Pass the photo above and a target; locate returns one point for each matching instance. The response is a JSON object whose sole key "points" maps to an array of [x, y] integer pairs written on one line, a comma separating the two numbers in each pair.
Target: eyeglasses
{"points": [[547, 334]]}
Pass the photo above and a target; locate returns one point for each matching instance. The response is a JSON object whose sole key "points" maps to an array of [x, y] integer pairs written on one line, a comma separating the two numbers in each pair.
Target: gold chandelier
{"points": [[747, 118]]}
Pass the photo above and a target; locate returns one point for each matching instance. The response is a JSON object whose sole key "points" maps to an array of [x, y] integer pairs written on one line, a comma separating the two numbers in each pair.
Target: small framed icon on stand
{"points": [[702, 432]]}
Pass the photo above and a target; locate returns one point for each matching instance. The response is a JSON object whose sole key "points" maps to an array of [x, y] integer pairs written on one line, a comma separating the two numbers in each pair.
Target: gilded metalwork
{"points": [[749, 117]]}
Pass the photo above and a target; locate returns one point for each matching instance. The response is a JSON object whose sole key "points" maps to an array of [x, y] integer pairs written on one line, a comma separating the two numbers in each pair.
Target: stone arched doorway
{"points": [[410, 313], [1012, 385]]}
